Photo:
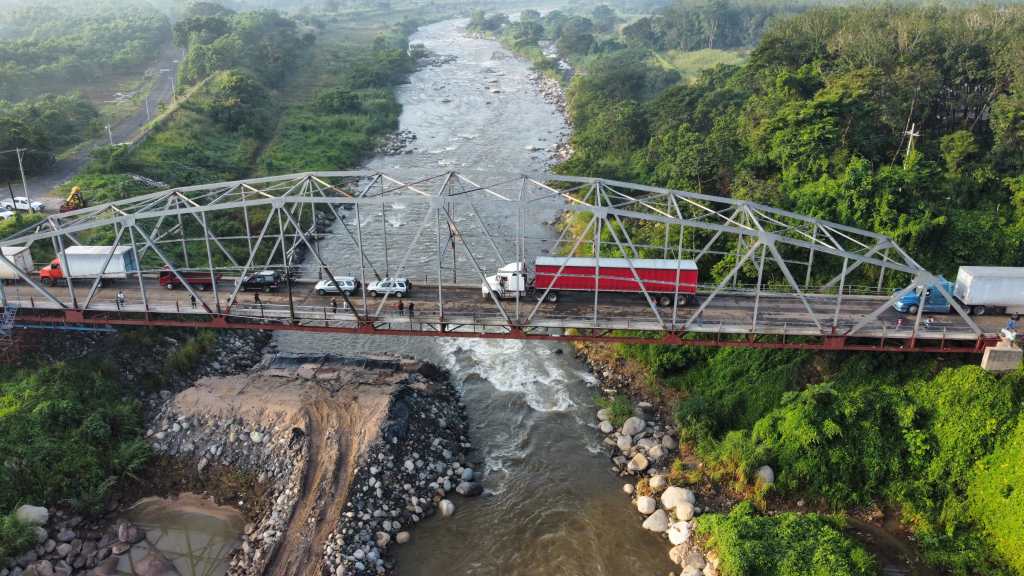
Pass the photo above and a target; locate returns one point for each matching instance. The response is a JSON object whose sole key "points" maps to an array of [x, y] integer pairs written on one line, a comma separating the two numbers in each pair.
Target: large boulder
{"points": [[646, 505], [604, 414], [656, 453], [469, 489], [657, 522], [673, 495], [633, 426], [606, 427], [639, 463], [679, 533], [678, 554], [684, 511], [624, 442], [32, 515], [446, 508], [764, 475]]}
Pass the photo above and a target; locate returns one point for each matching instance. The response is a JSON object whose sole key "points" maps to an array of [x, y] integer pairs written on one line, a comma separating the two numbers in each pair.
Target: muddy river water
{"points": [[551, 506]]}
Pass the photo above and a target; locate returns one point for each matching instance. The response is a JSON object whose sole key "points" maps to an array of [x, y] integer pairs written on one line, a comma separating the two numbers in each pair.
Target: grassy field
{"points": [[690, 64]]}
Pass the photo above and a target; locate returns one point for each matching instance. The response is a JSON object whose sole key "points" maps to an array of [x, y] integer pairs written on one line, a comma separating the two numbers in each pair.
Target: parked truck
{"points": [[978, 290], [663, 280], [18, 256], [87, 262]]}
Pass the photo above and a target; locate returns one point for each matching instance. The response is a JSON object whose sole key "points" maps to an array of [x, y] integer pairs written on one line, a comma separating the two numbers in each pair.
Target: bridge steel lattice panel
{"points": [[769, 277]]}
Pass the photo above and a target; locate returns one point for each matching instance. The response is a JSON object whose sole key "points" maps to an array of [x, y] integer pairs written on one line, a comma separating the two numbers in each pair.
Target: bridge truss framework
{"points": [[779, 279]]}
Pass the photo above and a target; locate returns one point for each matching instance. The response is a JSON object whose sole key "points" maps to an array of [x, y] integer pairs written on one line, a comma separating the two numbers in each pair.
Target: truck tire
{"points": [[683, 300], [553, 296], [203, 287], [979, 310], [321, 292], [664, 301], [399, 294], [912, 309], [374, 293], [169, 286], [348, 292], [48, 281]]}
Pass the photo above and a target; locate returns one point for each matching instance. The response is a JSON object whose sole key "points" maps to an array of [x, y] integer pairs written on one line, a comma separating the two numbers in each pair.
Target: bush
{"points": [[786, 544], [996, 498], [620, 407], [65, 432], [15, 537], [185, 359]]}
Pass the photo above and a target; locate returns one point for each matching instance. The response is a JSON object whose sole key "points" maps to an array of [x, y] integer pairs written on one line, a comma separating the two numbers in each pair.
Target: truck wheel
{"points": [[267, 290], [348, 292], [48, 281], [979, 310], [321, 292], [399, 294], [552, 296], [203, 288], [374, 293], [664, 301], [912, 309], [169, 286], [683, 300]]}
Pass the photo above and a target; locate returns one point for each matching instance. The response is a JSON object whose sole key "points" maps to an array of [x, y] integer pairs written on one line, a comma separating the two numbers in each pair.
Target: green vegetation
{"points": [[997, 500], [63, 45], [44, 126], [813, 121], [15, 537], [786, 544], [620, 407], [68, 434]]}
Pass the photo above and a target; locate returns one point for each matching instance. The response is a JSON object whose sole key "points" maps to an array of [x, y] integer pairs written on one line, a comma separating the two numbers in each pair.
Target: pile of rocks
{"points": [[643, 448], [397, 143], [207, 441], [68, 545], [405, 478], [433, 60]]}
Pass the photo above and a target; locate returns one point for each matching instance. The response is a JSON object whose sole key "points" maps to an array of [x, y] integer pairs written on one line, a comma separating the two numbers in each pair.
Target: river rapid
{"points": [[552, 505]]}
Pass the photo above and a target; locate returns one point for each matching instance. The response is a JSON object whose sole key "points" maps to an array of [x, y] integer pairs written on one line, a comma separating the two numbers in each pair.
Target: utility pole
{"points": [[148, 118], [911, 135], [110, 135], [11, 190], [24, 183]]}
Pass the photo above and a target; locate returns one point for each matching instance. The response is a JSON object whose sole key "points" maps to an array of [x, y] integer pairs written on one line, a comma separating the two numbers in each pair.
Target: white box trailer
{"points": [[991, 289], [20, 257], [87, 261]]}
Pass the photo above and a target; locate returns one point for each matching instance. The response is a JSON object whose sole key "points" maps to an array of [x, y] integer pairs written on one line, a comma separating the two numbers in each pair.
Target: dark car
{"points": [[266, 281]]}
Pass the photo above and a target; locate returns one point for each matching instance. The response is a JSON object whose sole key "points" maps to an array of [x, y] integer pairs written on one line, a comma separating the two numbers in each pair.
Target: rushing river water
{"points": [[552, 506]]}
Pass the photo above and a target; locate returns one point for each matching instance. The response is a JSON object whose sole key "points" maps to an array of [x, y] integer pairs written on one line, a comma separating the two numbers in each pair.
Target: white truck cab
{"points": [[511, 280]]}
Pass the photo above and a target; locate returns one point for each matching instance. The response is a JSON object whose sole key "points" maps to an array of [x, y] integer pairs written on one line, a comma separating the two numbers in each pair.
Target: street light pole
{"points": [[148, 118], [24, 183]]}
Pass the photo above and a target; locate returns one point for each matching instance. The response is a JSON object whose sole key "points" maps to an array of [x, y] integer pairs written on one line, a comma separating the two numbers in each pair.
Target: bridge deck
{"points": [[465, 312]]}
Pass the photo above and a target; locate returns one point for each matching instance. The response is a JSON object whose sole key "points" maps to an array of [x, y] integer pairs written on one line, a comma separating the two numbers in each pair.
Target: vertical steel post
{"points": [[810, 258], [138, 266], [597, 250], [209, 263], [362, 258], [284, 261], [440, 295], [839, 297], [757, 289], [384, 226], [66, 268], [881, 270]]}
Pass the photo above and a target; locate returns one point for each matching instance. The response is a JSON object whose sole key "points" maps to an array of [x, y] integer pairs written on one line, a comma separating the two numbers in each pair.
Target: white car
{"points": [[22, 203], [345, 285], [5, 214], [399, 287]]}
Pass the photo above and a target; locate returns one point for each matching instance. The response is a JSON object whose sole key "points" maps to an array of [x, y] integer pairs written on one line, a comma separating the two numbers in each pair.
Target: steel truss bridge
{"points": [[769, 278]]}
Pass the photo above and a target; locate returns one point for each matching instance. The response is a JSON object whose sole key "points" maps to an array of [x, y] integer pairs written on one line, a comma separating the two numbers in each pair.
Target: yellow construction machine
{"points": [[74, 201]]}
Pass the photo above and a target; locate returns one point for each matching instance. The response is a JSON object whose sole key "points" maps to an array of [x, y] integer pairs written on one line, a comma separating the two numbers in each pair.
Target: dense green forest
{"points": [[63, 45], [815, 121], [43, 126]]}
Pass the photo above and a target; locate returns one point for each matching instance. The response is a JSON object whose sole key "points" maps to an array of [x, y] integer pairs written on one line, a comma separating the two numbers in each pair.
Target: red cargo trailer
{"points": [[661, 279], [201, 281]]}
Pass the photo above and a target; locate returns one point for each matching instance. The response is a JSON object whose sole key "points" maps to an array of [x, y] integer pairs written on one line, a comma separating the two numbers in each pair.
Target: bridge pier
{"points": [[1005, 356]]}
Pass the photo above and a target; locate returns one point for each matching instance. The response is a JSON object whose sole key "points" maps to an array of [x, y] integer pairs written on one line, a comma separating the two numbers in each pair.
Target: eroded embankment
{"points": [[346, 453]]}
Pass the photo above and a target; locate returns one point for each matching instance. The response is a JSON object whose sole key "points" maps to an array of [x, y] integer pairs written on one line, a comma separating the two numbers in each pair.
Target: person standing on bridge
{"points": [[334, 305], [401, 308], [256, 299], [120, 299], [1011, 324], [192, 297], [412, 306]]}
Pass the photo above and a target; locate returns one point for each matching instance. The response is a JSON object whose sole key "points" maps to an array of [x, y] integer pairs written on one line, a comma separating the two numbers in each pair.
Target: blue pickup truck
{"points": [[934, 301]]}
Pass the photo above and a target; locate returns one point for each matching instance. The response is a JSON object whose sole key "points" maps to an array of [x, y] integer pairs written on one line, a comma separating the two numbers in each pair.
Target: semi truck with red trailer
{"points": [[663, 280], [201, 281]]}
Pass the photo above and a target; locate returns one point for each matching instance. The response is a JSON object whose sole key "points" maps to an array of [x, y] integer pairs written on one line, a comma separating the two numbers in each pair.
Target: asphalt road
{"points": [[41, 186]]}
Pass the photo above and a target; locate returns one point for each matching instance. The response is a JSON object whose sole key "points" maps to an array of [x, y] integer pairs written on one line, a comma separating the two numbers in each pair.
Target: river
{"points": [[552, 505]]}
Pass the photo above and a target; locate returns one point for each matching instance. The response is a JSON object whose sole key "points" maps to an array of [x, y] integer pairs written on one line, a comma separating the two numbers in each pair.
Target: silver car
{"points": [[398, 287], [346, 285]]}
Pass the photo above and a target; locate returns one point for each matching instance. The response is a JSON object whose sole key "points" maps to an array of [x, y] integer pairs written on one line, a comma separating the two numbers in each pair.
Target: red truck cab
{"points": [[51, 273]]}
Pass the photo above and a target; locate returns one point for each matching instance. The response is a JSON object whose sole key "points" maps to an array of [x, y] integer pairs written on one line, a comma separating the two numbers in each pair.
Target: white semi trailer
{"points": [[991, 289], [21, 259]]}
